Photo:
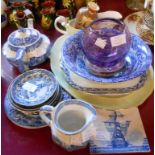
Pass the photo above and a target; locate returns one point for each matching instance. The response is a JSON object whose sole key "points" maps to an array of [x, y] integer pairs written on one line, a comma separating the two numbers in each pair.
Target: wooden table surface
{"points": [[20, 141]]}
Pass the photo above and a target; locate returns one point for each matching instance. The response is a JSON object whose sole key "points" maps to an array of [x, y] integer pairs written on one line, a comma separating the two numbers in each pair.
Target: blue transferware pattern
{"points": [[138, 60], [23, 37], [118, 141], [24, 120], [34, 60], [104, 90], [45, 86], [25, 44], [54, 99]]}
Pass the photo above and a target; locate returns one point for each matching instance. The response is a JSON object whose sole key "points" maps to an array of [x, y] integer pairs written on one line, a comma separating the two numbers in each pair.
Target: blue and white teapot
{"points": [[26, 47]]}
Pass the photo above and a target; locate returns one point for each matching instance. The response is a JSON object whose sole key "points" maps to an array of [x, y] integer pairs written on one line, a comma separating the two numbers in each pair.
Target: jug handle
{"points": [[62, 20], [44, 110]]}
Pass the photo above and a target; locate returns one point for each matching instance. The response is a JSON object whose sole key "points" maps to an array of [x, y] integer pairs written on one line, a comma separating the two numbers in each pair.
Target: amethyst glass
{"points": [[105, 44]]}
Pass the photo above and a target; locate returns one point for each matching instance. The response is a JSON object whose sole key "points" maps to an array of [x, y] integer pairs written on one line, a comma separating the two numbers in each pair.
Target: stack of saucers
{"points": [[130, 78], [27, 93]]}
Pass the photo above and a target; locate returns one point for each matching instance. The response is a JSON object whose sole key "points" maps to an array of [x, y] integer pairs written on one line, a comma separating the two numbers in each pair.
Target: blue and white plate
{"points": [[138, 60], [52, 101], [33, 88], [25, 120], [127, 88]]}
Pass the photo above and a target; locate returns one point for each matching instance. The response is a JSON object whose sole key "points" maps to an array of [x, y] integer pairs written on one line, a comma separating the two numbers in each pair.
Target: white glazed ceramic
{"points": [[26, 47], [71, 123], [69, 25]]}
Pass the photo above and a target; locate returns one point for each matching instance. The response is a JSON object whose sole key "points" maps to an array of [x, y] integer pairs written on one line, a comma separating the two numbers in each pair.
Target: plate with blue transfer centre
{"points": [[33, 88], [138, 60]]}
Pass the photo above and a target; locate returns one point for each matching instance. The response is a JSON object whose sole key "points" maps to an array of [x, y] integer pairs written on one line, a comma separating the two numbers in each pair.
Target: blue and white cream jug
{"points": [[71, 123]]}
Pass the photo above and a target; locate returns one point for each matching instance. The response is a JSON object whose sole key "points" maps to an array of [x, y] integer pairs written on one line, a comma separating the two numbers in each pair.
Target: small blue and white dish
{"points": [[138, 60], [26, 47], [108, 90], [33, 88], [54, 99], [27, 119]]}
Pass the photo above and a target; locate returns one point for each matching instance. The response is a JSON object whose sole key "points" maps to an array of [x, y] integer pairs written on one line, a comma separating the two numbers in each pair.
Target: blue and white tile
{"points": [[119, 131]]}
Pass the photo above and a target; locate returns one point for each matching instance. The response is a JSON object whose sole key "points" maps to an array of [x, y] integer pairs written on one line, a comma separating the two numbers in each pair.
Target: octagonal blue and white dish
{"points": [[138, 60], [33, 88], [126, 88]]}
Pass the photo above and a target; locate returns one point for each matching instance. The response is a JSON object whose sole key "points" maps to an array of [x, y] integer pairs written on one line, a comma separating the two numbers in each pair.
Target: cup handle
{"points": [[44, 110], [62, 20]]}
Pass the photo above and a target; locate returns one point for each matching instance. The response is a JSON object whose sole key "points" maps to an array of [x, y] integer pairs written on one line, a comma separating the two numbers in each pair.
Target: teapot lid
{"points": [[23, 37]]}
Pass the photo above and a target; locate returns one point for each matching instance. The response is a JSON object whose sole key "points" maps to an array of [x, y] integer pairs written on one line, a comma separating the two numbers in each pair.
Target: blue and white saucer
{"points": [[138, 60], [24, 120], [33, 88]]}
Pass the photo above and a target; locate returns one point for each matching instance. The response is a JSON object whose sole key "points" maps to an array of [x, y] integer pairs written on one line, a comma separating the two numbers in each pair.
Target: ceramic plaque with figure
{"points": [[119, 131]]}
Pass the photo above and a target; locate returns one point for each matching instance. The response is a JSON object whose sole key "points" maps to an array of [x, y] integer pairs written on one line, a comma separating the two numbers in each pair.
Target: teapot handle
{"points": [[44, 110], [19, 60], [62, 20]]}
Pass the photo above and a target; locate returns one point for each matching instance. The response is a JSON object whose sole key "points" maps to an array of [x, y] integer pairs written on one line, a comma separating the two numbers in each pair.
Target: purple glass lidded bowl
{"points": [[105, 44]]}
